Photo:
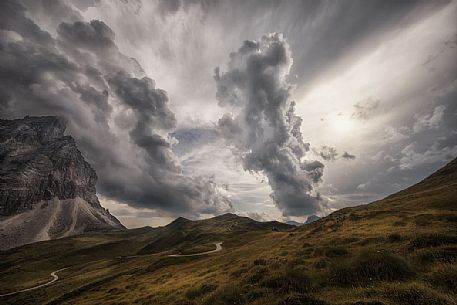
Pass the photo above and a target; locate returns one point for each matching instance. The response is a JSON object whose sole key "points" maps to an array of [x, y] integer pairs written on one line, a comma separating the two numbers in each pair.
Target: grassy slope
{"points": [[399, 250]]}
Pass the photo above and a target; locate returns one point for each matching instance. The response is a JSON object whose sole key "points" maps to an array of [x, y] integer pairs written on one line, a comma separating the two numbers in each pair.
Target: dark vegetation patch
{"points": [[433, 240], [354, 217], [377, 214], [444, 276], [400, 223], [165, 262], [232, 294], [423, 219], [289, 281], [371, 240], [336, 251], [367, 303], [200, 291], [321, 263], [416, 294], [368, 267], [256, 274], [394, 237], [436, 255], [349, 240], [301, 299], [260, 262], [183, 302]]}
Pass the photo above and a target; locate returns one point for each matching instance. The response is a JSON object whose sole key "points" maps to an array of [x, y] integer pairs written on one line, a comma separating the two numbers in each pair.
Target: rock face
{"points": [[311, 219], [47, 189]]}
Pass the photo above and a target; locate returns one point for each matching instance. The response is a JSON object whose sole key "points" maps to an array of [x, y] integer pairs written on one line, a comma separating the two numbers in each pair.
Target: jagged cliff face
{"points": [[47, 189]]}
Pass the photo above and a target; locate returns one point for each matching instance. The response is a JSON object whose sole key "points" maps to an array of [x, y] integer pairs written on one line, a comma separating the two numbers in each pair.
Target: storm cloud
{"points": [[262, 126], [118, 117], [373, 81]]}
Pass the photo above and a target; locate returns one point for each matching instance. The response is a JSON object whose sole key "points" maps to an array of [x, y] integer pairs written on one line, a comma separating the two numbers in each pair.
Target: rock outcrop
{"points": [[47, 189], [311, 219]]}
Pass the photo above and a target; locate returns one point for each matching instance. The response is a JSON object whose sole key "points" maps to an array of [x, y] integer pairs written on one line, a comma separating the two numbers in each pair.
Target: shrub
{"points": [[290, 281], [321, 263], [336, 251], [200, 290], [433, 240], [437, 255], [444, 276], [416, 294], [260, 262], [371, 266], [394, 237], [300, 300], [229, 294], [256, 274], [185, 302]]}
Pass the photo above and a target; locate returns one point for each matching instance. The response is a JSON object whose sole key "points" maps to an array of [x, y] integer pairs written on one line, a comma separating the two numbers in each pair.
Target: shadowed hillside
{"points": [[399, 250]]}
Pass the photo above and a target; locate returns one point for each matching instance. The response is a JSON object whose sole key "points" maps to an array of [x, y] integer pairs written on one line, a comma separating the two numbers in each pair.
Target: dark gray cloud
{"points": [[170, 6], [81, 75], [348, 156], [365, 109], [262, 126], [189, 139], [93, 35], [327, 153]]}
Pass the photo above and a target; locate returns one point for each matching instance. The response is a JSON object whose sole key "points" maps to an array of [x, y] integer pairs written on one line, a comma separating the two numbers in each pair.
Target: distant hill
{"points": [[398, 250], [183, 232], [293, 223], [312, 219]]}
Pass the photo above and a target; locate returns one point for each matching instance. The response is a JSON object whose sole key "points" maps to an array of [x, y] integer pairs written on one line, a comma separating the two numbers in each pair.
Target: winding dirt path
{"points": [[54, 275], [218, 248]]}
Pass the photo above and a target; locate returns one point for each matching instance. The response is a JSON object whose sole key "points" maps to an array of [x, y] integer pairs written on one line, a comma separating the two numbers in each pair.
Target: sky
{"points": [[275, 110]]}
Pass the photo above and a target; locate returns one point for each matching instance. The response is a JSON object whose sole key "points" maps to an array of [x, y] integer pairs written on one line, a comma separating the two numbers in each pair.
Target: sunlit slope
{"points": [[399, 250]]}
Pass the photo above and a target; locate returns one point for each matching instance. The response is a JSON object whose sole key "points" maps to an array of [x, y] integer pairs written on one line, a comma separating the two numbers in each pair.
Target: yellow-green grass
{"points": [[400, 250]]}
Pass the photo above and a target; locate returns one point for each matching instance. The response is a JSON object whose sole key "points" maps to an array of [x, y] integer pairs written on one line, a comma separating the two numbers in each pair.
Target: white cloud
{"points": [[430, 120]]}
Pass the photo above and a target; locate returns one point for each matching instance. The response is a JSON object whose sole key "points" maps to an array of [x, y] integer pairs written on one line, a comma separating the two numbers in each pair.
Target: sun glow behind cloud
{"points": [[391, 70]]}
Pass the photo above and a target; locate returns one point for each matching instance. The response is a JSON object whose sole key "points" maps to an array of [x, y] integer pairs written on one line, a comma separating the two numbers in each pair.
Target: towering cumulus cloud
{"points": [[261, 124], [119, 118]]}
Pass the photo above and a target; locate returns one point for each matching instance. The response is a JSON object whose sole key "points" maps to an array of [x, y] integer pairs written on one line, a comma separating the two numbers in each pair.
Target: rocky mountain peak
{"points": [[33, 129], [39, 165]]}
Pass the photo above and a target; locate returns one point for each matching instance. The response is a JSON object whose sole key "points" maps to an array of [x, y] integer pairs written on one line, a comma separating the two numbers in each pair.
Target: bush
{"points": [[336, 251], [415, 294], [230, 294], [300, 300], [321, 263], [394, 237], [256, 274], [371, 266], [200, 290], [290, 281], [260, 262], [444, 276], [185, 302], [433, 240], [436, 255]]}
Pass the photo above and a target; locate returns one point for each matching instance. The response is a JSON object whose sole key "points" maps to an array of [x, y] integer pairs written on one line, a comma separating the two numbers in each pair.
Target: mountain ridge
{"points": [[47, 189]]}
